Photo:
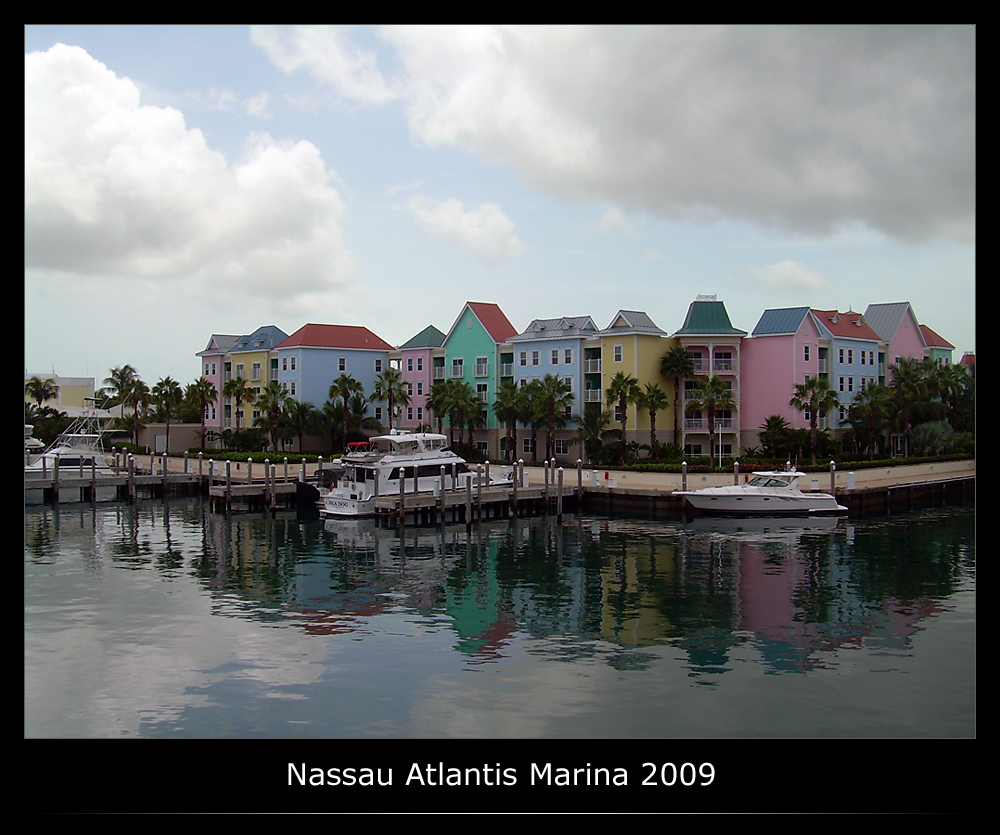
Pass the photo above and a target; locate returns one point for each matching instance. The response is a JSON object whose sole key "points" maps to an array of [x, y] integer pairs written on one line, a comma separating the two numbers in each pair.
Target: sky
{"points": [[182, 181]]}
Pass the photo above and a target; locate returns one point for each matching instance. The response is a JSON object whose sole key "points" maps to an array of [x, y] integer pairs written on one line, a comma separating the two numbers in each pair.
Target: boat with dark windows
{"points": [[418, 462], [769, 493]]}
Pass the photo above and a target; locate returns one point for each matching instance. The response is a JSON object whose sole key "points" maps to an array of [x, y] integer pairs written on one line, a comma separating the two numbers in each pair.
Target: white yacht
{"points": [[80, 445], [768, 492], [378, 467]]}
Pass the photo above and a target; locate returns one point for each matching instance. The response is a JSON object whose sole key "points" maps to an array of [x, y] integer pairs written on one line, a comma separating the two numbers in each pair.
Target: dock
{"points": [[257, 485]]}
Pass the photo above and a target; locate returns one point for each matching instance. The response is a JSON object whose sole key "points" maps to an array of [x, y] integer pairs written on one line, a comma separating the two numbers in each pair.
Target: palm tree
{"points": [[593, 424], [41, 390], [624, 390], [870, 414], [239, 391], [909, 386], [201, 394], [507, 407], [389, 387], [653, 399], [677, 365], [138, 397], [167, 395], [555, 397], [712, 396], [303, 419], [773, 436], [345, 387], [814, 396], [118, 384], [271, 401]]}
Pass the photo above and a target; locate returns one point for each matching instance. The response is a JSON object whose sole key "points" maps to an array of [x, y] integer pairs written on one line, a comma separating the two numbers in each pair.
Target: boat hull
{"points": [[742, 502]]}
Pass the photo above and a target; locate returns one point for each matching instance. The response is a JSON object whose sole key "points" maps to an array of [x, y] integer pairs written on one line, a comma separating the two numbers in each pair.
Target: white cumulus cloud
{"points": [[484, 232], [115, 187]]}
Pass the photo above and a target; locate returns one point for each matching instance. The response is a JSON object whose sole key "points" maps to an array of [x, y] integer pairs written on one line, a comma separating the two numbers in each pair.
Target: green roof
{"points": [[705, 317], [429, 337]]}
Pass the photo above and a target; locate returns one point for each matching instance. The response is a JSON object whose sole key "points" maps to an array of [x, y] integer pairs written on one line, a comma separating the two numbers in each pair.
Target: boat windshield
{"points": [[769, 481]]}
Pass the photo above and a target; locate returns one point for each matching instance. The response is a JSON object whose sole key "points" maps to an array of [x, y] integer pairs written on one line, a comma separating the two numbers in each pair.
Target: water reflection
{"points": [[796, 592]]}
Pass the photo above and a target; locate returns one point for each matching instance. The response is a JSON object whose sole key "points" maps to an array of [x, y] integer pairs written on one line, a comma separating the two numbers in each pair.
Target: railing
{"points": [[723, 365], [592, 366], [437, 373], [696, 424], [506, 369], [592, 396], [482, 369]]}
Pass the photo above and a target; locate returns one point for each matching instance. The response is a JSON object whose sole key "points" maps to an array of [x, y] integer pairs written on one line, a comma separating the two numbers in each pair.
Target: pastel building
{"points": [[937, 347], [559, 347], [789, 346], [632, 344], [251, 357], [897, 326], [308, 361], [474, 349], [715, 347], [212, 369], [416, 363]]}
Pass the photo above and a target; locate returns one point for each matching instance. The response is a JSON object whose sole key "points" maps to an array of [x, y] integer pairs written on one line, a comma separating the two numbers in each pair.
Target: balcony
{"points": [[437, 372], [701, 424], [592, 366], [506, 369], [725, 366], [482, 370], [592, 396]]}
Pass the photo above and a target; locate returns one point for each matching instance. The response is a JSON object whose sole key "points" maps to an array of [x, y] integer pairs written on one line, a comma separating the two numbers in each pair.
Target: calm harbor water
{"points": [[165, 620]]}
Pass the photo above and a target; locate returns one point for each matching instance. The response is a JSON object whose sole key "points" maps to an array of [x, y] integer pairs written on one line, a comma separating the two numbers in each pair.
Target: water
{"points": [[164, 620]]}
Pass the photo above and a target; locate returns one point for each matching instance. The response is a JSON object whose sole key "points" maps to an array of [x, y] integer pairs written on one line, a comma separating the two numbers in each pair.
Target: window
{"points": [[239, 370], [420, 389], [805, 353], [409, 389], [378, 413], [562, 446], [618, 352], [568, 356], [524, 358], [409, 363], [409, 413], [284, 363], [535, 357], [255, 371], [342, 363], [555, 356], [420, 413], [458, 367], [482, 366], [420, 363], [293, 363], [378, 365], [482, 392], [528, 446], [292, 390]]}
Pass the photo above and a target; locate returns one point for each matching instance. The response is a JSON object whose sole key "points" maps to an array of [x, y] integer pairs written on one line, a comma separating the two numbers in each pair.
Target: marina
{"points": [[170, 620]]}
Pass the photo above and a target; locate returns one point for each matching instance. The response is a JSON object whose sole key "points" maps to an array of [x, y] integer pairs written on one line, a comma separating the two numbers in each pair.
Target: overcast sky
{"points": [[184, 181]]}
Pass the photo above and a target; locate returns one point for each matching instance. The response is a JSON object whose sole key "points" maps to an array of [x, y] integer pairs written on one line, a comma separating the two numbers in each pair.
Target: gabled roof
{"points": [[885, 319], [632, 321], [429, 337], [708, 317], [563, 328], [849, 325], [265, 338], [219, 343], [968, 359], [347, 337], [492, 318], [781, 322], [933, 340]]}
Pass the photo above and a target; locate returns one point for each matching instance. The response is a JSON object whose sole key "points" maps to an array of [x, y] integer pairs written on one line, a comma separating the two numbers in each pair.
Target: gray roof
{"points": [[224, 343], [263, 339], [885, 319], [566, 327], [632, 321], [783, 321]]}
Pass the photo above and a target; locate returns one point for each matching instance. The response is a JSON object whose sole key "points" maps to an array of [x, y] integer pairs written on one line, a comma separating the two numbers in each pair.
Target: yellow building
{"points": [[633, 344]]}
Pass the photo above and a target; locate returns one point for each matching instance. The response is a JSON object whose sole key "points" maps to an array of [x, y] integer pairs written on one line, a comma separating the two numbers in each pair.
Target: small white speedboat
{"points": [[767, 492]]}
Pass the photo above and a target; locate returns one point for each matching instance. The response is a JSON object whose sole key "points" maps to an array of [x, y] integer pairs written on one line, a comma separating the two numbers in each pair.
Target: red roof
{"points": [[932, 340], [494, 320], [848, 324], [336, 336]]}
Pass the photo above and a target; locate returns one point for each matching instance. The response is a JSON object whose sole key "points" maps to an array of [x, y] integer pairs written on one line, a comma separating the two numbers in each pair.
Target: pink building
{"points": [[416, 365]]}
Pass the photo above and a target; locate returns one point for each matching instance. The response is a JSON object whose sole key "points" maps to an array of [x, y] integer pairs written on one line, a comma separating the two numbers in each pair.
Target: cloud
{"points": [[788, 276], [328, 56], [614, 220], [803, 128], [484, 232], [115, 187]]}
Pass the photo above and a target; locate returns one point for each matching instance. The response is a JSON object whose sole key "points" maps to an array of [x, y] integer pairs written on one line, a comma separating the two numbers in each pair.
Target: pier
{"points": [[256, 485]]}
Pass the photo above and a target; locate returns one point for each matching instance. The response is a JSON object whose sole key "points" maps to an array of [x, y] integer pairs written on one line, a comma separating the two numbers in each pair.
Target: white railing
{"points": [[592, 366], [592, 396]]}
